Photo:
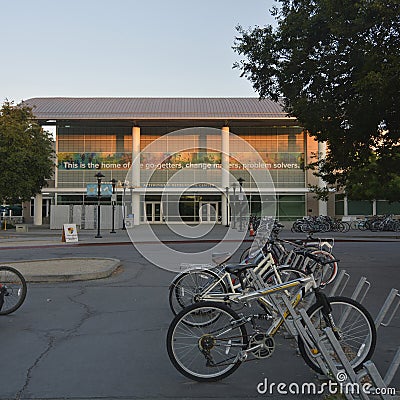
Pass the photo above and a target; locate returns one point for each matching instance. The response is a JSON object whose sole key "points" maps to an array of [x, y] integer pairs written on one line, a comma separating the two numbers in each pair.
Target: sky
{"points": [[124, 48]]}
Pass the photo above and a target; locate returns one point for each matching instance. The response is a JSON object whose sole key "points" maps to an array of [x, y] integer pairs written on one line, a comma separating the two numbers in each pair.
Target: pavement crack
{"points": [[88, 313], [50, 344]]}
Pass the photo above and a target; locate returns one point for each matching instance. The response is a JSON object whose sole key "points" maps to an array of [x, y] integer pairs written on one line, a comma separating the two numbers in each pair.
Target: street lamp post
{"points": [[241, 180], [123, 184], [113, 200], [234, 185], [99, 175], [227, 205]]}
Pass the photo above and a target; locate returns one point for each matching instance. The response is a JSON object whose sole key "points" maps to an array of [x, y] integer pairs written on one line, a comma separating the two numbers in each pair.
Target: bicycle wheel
{"points": [[207, 352], [346, 226], [12, 290], [328, 271], [187, 287], [356, 326], [245, 254]]}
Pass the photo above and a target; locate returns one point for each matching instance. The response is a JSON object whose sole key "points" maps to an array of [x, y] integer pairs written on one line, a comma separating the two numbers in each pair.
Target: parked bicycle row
{"points": [[378, 223], [320, 223], [327, 224], [230, 313]]}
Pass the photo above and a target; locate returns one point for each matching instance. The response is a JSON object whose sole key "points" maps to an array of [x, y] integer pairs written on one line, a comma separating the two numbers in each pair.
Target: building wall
{"points": [[83, 148]]}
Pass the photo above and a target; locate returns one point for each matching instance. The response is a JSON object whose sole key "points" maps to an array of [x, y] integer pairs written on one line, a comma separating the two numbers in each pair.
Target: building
{"points": [[178, 157]]}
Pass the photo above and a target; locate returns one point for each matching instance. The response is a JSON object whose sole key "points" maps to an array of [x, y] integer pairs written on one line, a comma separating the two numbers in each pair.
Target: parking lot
{"points": [[106, 338]]}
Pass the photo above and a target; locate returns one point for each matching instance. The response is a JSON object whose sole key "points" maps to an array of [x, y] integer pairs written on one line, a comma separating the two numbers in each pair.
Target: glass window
{"points": [[384, 207], [361, 207], [291, 207]]}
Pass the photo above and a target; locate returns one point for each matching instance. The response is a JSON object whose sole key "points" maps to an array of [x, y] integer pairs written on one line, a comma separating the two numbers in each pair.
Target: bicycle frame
{"points": [[306, 284], [264, 265]]}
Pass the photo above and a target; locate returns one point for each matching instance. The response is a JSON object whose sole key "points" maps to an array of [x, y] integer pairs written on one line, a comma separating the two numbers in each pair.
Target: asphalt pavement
{"points": [[105, 338]]}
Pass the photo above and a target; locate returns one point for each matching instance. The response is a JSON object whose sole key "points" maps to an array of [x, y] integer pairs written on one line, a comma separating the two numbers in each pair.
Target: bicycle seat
{"points": [[220, 258], [236, 269]]}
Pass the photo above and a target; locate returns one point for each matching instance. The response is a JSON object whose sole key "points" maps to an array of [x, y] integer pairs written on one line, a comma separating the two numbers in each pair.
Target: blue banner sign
{"points": [[106, 190]]}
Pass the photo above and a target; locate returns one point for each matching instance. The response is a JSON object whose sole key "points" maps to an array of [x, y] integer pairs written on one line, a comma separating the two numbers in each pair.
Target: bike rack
{"points": [[301, 325], [392, 303], [345, 376], [393, 295], [363, 284], [340, 283]]}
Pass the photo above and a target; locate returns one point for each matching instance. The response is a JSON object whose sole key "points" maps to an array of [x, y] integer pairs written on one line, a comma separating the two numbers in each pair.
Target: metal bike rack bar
{"points": [[376, 378], [394, 366], [303, 326], [351, 375], [369, 368], [362, 284], [323, 359], [342, 279], [327, 363], [289, 324], [393, 295]]}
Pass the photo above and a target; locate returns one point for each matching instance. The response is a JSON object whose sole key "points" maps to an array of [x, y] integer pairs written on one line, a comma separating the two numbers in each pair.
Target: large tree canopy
{"points": [[335, 65], [26, 154]]}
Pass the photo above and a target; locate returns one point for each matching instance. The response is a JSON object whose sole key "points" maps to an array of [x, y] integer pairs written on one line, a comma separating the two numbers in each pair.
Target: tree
{"points": [[26, 154], [335, 66]]}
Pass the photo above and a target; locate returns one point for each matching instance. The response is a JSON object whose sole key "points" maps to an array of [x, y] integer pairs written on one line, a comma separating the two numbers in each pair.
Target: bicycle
{"points": [[13, 290], [213, 283], [208, 341], [320, 247]]}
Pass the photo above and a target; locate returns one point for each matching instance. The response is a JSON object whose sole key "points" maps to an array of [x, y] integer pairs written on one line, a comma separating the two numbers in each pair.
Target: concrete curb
{"points": [[66, 269]]}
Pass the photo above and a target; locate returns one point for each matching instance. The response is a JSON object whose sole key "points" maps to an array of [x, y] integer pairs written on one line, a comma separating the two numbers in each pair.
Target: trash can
{"points": [[129, 221]]}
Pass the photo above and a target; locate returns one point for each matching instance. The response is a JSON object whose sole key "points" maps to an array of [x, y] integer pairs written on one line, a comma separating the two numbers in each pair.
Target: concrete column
{"points": [[225, 171], [135, 178], [345, 206], [322, 205], [373, 207], [38, 202]]}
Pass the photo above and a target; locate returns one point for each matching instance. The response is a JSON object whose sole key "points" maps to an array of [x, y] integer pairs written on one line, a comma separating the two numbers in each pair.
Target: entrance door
{"points": [[153, 212], [208, 212]]}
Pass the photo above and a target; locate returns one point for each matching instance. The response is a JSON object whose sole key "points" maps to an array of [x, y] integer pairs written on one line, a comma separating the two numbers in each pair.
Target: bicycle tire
{"points": [[192, 345], [245, 254], [13, 290], [346, 226], [182, 295], [330, 277], [362, 226], [368, 348]]}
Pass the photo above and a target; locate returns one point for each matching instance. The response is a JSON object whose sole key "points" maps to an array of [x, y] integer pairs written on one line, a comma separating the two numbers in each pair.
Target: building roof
{"points": [[111, 108]]}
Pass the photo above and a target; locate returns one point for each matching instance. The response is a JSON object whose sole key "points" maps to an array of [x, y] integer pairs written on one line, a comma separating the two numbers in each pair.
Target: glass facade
{"points": [[181, 159], [281, 148], [80, 148]]}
